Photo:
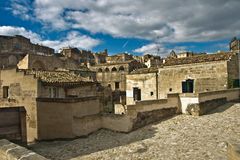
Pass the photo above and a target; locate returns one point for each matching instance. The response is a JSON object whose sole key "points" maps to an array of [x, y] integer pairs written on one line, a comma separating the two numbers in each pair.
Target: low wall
{"points": [[11, 151], [120, 123], [230, 95], [146, 112], [198, 109], [144, 118], [233, 151], [201, 103]]}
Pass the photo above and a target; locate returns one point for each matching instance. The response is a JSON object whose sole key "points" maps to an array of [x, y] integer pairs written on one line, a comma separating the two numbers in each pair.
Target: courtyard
{"points": [[180, 137]]}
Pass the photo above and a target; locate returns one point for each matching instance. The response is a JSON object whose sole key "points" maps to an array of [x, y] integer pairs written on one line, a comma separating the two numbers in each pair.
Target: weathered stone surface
{"points": [[182, 138], [193, 109], [11, 151], [233, 151], [144, 118], [198, 109]]}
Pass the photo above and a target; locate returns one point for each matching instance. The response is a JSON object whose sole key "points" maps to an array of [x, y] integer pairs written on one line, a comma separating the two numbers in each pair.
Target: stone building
{"points": [[234, 45], [22, 45], [114, 76], [195, 74], [122, 57], [10, 59], [84, 57], [142, 85], [100, 57], [37, 105]]}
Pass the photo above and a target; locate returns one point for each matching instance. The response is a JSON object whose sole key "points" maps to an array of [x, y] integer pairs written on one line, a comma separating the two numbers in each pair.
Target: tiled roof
{"points": [[57, 76], [199, 59]]}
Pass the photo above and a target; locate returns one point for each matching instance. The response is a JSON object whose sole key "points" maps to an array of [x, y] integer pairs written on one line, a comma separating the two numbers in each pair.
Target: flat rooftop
{"points": [[182, 137]]}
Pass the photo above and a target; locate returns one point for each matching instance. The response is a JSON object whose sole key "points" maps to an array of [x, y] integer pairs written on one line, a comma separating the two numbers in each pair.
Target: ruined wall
{"points": [[209, 76], [19, 44], [23, 90], [44, 62], [9, 60], [147, 82]]}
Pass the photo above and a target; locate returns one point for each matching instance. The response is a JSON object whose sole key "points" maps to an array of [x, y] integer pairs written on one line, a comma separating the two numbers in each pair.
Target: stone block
{"points": [[233, 151]]}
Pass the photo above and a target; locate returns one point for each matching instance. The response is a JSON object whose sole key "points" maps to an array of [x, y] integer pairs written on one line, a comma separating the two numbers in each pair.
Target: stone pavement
{"points": [[182, 137]]}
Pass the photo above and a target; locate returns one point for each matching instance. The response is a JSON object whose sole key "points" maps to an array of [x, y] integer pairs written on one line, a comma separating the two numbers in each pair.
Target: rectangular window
{"points": [[5, 91], [53, 92], [116, 85], [136, 94]]}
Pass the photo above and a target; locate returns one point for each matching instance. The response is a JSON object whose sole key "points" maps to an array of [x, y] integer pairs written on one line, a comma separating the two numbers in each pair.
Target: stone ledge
{"points": [[11, 151], [198, 109], [233, 151]]}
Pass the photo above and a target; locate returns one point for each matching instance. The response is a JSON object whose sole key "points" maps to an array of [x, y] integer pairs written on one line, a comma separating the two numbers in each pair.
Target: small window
{"points": [[53, 92], [116, 85], [170, 89], [151, 93], [5, 91]]}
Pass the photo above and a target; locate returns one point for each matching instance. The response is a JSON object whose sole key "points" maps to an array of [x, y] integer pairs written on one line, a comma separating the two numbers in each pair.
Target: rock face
{"points": [[182, 137]]}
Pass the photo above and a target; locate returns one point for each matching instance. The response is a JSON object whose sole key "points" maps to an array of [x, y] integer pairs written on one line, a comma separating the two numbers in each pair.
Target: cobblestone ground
{"points": [[181, 137]]}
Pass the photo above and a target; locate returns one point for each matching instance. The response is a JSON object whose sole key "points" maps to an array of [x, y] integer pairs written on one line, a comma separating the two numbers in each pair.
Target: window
{"points": [[187, 86], [5, 91], [136, 94], [170, 89], [151, 93], [53, 92], [114, 69], [121, 68], [116, 85]]}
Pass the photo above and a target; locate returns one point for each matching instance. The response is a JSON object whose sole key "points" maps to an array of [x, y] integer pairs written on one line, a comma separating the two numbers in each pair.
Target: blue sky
{"points": [[137, 27]]}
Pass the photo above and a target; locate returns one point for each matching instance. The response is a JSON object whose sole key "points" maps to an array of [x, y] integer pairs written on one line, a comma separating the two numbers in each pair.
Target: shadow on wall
{"points": [[222, 108], [98, 141]]}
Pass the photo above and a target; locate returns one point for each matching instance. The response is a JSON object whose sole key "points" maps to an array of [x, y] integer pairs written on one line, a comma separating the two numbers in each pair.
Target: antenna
{"points": [[158, 45]]}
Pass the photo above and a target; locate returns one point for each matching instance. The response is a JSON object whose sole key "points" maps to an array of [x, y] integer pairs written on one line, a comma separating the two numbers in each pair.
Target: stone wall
{"points": [[198, 109], [46, 62], [202, 103], [23, 90], [147, 83], [209, 76], [68, 117], [144, 118], [19, 44], [9, 60], [11, 151]]}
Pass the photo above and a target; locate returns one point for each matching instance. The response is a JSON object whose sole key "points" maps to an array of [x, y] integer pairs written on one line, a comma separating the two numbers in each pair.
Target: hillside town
{"points": [[94, 98]]}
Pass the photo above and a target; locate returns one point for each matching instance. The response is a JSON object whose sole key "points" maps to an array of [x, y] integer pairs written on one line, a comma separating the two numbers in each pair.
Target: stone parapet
{"points": [[233, 151], [12, 151]]}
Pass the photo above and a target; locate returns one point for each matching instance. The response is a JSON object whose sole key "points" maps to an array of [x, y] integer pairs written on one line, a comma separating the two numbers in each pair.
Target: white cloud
{"points": [[170, 20], [73, 38], [158, 49]]}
